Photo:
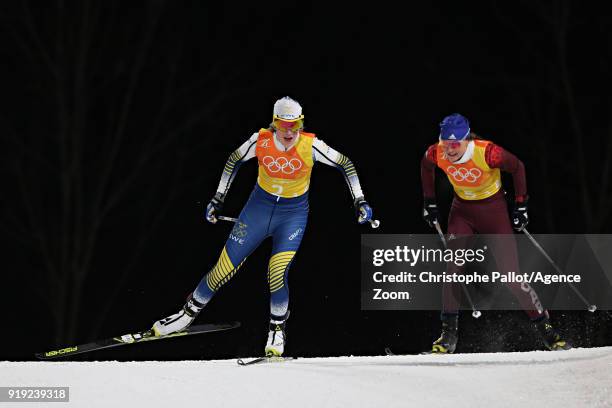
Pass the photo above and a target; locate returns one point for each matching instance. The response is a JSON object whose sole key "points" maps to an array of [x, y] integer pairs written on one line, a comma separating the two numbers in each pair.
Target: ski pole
{"points": [[224, 218], [373, 223], [590, 307], [475, 313]]}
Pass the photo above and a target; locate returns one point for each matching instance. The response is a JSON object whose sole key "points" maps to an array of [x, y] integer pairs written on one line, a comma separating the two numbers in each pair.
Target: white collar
{"points": [[281, 147], [469, 152]]}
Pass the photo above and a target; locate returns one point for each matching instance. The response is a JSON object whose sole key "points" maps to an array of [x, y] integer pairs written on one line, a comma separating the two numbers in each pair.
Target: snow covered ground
{"points": [[576, 378]]}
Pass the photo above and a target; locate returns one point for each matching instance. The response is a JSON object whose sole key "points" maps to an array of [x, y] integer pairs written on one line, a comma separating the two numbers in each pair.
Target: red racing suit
{"points": [[479, 207]]}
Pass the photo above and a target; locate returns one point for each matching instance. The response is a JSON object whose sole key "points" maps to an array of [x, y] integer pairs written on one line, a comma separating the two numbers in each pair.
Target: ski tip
{"points": [[53, 354], [390, 352], [434, 353], [267, 359], [242, 362]]}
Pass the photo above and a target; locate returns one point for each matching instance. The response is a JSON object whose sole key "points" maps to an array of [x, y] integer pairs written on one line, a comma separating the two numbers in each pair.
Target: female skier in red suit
{"points": [[473, 166]]}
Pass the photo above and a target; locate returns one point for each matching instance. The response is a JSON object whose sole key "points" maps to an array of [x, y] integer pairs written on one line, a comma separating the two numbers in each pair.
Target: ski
{"points": [[390, 352], [132, 338], [258, 360]]}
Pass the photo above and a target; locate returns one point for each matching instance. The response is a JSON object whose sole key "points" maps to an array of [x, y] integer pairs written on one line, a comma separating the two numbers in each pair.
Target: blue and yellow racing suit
{"points": [[277, 208]]}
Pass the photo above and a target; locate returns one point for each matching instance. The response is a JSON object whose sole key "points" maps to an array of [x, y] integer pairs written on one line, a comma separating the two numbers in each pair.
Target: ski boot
{"points": [[447, 342], [551, 339], [276, 338], [178, 321]]}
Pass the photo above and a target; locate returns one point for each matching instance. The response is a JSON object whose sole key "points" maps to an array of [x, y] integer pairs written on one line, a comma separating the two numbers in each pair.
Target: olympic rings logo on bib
{"points": [[463, 174], [281, 164]]}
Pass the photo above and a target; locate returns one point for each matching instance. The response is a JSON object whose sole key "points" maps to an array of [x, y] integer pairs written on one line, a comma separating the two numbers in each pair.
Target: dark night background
{"points": [[117, 118]]}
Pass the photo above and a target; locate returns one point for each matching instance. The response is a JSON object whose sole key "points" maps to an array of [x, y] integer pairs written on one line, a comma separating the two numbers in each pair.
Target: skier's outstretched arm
{"points": [[245, 152], [325, 154]]}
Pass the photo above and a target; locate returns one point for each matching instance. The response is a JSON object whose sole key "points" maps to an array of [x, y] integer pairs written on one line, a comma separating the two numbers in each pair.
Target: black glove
{"points": [[519, 216], [214, 207], [430, 211]]}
